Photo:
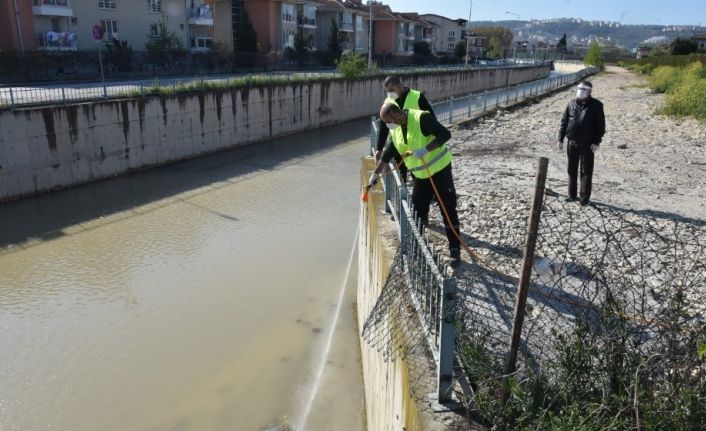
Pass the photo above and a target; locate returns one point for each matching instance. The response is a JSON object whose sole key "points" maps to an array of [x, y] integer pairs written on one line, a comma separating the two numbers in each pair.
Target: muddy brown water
{"points": [[195, 296]]}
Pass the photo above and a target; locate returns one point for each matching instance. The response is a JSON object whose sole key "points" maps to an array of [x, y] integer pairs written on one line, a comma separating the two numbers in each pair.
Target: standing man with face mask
{"points": [[404, 98], [583, 124], [421, 136]]}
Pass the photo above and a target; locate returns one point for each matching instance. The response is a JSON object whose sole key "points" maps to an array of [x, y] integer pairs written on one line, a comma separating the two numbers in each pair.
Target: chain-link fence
{"points": [[418, 280], [614, 333]]}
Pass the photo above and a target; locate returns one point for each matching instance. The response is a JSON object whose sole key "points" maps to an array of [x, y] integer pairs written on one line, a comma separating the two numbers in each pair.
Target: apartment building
{"points": [[385, 30], [446, 32], [17, 25], [60, 25], [352, 22], [418, 30]]}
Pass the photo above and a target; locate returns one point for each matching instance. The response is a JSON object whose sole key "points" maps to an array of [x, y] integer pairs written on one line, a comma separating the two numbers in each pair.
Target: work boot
{"points": [[571, 199], [585, 202], [455, 253]]}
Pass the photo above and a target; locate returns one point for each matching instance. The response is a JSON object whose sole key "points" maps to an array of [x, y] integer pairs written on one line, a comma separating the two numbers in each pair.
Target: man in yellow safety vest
{"points": [[405, 98], [421, 139]]}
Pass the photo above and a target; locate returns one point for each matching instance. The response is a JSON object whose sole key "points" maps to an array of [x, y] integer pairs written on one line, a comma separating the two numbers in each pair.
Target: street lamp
{"points": [[511, 13], [468, 30], [514, 48]]}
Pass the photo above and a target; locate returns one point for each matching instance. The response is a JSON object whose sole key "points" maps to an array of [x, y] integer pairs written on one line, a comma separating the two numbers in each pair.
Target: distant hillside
{"points": [[579, 31]]}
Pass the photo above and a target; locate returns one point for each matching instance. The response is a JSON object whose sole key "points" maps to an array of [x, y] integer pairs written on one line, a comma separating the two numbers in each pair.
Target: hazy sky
{"points": [[662, 12]]}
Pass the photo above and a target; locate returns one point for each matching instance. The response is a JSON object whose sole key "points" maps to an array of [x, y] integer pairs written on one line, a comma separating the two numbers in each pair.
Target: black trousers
{"points": [[580, 156], [397, 160], [424, 193]]}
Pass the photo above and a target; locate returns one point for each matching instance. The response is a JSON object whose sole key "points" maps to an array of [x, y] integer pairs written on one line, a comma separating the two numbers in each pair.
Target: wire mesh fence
{"points": [[614, 333], [415, 309], [615, 321], [419, 276]]}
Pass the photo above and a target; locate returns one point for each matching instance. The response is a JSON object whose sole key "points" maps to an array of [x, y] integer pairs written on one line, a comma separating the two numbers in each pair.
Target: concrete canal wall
{"points": [[400, 392], [49, 148]]}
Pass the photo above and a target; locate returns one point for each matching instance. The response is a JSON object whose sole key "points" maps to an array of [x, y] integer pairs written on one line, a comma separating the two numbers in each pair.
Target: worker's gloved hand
{"points": [[421, 153], [561, 145], [594, 148], [373, 179]]}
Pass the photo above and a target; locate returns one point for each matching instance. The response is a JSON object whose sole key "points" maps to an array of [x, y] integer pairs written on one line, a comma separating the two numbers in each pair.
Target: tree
{"points": [[299, 49], [681, 46], [495, 47], [334, 40], [594, 56], [245, 35], [120, 55], [499, 40], [460, 50], [422, 48], [561, 46], [163, 47]]}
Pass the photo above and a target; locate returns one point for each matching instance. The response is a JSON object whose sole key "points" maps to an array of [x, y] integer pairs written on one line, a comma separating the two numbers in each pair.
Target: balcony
{"points": [[57, 41], [345, 26], [203, 15], [52, 8], [306, 22]]}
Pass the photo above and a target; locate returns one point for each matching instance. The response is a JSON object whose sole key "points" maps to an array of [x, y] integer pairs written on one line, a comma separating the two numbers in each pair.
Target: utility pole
{"points": [[468, 30], [514, 45], [370, 37]]}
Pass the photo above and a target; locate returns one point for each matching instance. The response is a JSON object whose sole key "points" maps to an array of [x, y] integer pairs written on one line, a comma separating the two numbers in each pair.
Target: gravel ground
{"points": [[646, 162]]}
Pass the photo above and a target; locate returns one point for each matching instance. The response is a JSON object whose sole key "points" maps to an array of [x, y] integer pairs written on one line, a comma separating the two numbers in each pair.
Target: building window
{"points": [[358, 42], [106, 4], [110, 29], [154, 5], [201, 43], [451, 46], [359, 23], [288, 38], [452, 33], [288, 14]]}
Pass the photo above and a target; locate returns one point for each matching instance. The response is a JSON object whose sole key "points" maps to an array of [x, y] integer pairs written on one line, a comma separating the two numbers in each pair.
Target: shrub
{"points": [[352, 65], [689, 98], [665, 78]]}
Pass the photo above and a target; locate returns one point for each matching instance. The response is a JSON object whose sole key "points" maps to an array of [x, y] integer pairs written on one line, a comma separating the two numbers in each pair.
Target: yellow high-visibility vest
{"points": [[433, 162]]}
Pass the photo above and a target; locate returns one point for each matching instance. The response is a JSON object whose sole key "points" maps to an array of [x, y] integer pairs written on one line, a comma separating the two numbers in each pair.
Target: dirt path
{"points": [[646, 162]]}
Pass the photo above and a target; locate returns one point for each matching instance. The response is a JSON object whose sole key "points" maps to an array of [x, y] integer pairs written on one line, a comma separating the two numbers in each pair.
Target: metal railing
{"points": [[59, 41], [66, 93], [57, 3], [432, 293], [454, 108], [304, 20]]}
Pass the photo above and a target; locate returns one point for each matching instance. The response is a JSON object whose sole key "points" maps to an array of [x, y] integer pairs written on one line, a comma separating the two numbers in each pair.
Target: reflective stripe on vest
{"points": [[435, 160]]}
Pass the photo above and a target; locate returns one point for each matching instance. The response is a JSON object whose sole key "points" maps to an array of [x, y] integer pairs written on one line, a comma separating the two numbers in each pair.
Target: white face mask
{"points": [[392, 125], [582, 93], [392, 95]]}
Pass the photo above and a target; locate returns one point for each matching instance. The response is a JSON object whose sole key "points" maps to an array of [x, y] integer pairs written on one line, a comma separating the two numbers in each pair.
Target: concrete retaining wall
{"points": [[44, 149], [400, 394], [569, 66]]}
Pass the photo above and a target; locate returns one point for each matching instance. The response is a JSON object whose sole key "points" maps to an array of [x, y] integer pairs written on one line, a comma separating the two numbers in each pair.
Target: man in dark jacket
{"points": [[583, 124]]}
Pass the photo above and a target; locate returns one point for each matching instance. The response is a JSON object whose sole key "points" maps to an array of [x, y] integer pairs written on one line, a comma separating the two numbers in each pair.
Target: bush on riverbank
{"points": [[685, 87]]}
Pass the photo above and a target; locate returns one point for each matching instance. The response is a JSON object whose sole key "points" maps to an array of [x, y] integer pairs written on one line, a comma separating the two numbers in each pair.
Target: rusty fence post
{"points": [[528, 258]]}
